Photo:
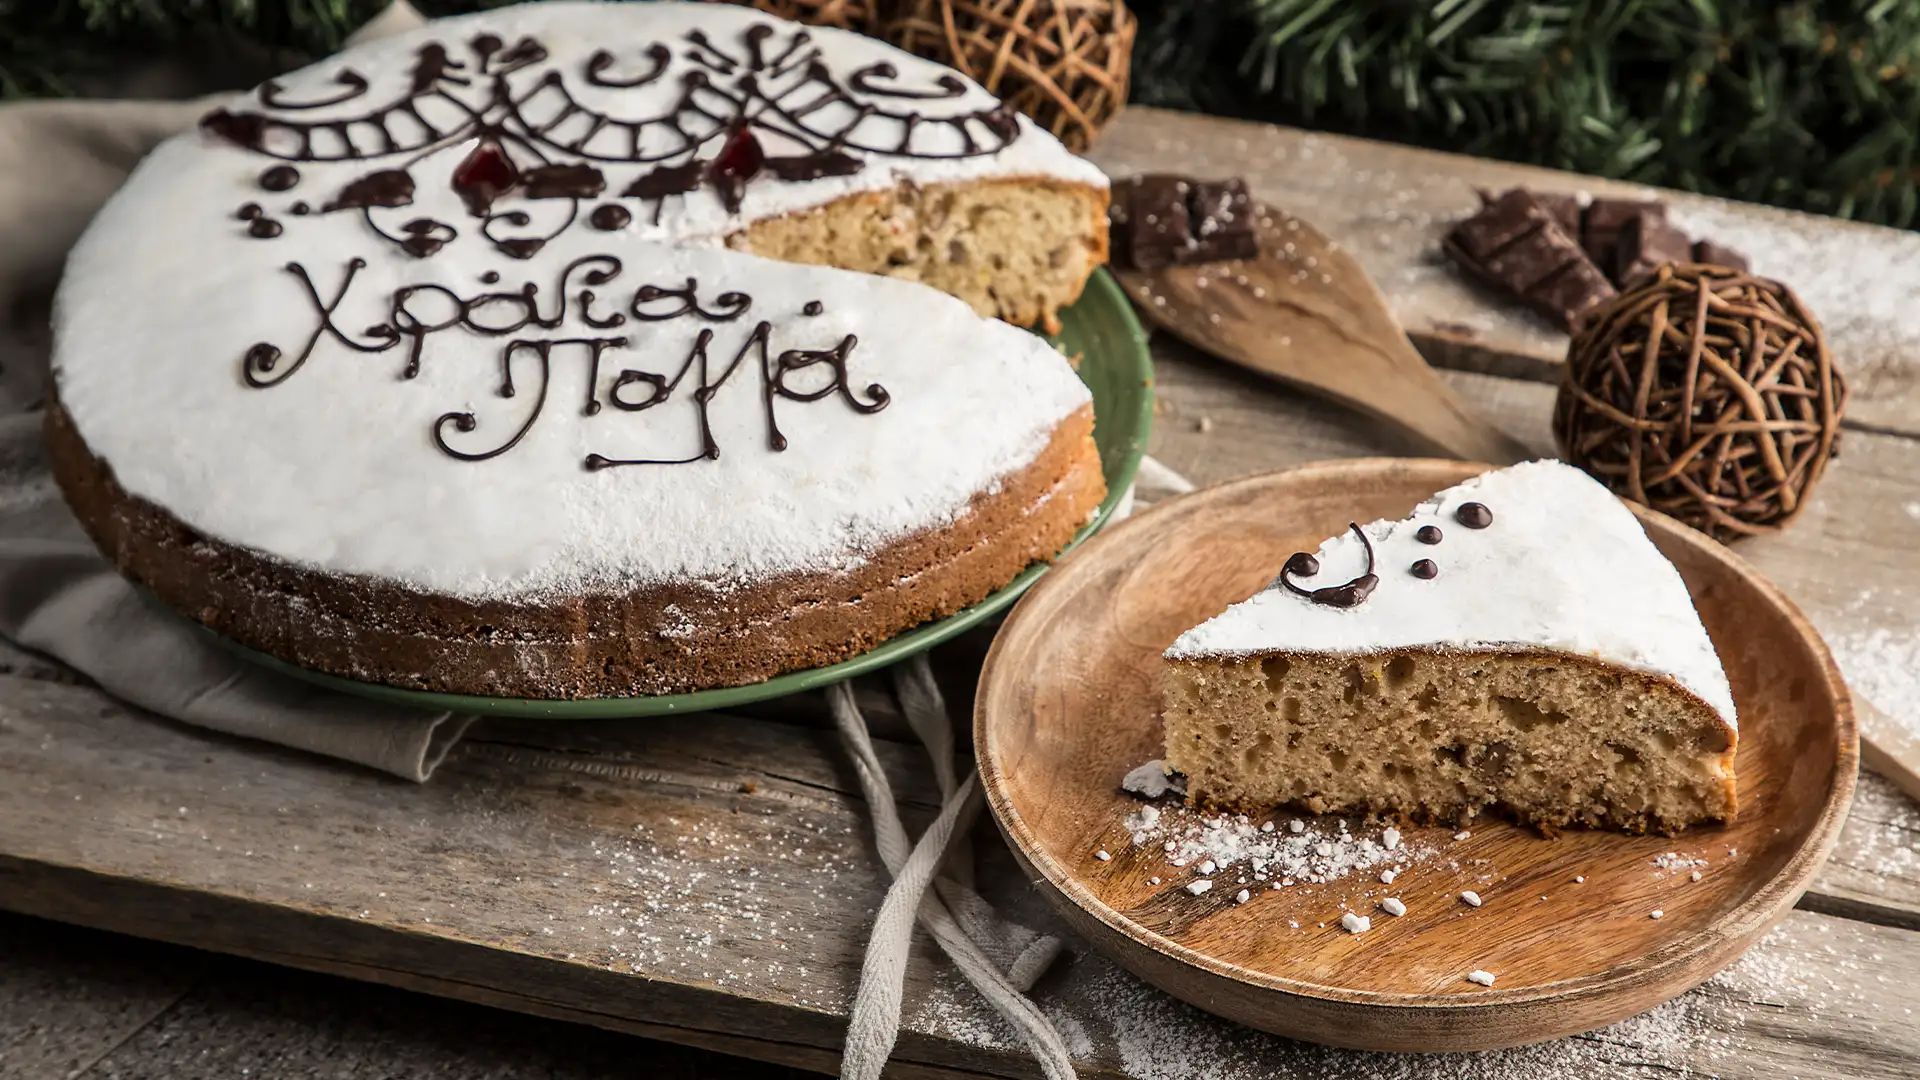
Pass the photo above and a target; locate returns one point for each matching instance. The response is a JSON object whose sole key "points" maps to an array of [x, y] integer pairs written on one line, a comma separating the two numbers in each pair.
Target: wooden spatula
{"points": [[1304, 312]]}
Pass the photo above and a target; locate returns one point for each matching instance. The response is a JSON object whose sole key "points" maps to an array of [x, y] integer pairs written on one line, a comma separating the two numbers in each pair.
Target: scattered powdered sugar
{"points": [[1254, 851], [1857, 278], [1671, 861], [1882, 664]]}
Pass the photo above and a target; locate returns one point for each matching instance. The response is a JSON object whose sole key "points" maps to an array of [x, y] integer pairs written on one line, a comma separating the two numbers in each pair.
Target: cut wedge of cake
{"points": [[1517, 643]]}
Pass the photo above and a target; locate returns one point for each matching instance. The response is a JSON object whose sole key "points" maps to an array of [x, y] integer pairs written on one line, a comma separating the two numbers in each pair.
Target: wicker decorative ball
{"points": [[1707, 394], [860, 15], [1064, 63]]}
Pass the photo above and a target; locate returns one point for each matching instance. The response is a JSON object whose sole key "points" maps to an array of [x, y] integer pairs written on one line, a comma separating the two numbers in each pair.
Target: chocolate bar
{"points": [[1646, 242], [1160, 220], [1606, 219], [1518, 244], [1706, 251]]}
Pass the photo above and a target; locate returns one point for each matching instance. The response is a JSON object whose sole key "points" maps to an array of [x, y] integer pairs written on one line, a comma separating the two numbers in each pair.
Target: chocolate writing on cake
{"points": [[725, 347]]}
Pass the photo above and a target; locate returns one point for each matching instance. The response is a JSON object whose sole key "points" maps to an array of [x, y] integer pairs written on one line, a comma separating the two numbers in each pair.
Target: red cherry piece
{"points": [[739, 160], [486, 174]]}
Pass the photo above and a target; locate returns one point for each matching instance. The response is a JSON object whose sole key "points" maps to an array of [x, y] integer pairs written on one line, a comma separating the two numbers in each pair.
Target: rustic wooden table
{"points": [[708, 880]]}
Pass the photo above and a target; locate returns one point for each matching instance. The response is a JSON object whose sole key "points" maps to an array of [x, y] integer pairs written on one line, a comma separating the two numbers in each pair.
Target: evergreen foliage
{"points": [[1813, 104]]}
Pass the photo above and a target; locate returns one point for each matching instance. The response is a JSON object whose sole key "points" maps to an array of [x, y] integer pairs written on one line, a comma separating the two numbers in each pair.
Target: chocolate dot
{"points": [[1302, 564], [1427, 534], [263, 228], [813, 307], [280, 178], [490, 277], [247, 211], [1425, 569], [1474, 515], [609, 217], [301, 209]]}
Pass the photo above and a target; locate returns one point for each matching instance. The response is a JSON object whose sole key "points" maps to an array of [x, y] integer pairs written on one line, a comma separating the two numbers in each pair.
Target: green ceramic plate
{"points": [[1100, 329]]}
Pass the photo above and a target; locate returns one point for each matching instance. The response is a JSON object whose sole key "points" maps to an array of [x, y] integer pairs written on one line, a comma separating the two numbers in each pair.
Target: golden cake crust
{"points": [[653, 640]]}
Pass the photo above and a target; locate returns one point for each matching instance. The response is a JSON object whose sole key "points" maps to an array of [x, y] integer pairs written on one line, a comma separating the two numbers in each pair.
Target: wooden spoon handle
{"points": [[1430, 411], [1888, 747]]}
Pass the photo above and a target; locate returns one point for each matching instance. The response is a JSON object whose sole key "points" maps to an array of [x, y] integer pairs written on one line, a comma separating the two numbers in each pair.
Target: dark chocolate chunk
{"points": [[1160, 220], [1498, 224], [1562, 207], [1604, 221], [1474, 515], [1707, 251], [1646, 242], [1517, 244], [1157, 226], [1223, 227], [1427, 534], [1424, 569]]}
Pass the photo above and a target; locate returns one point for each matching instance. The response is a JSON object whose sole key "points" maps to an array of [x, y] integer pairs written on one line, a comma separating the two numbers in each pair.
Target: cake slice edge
{"points": [[1550, 738]]}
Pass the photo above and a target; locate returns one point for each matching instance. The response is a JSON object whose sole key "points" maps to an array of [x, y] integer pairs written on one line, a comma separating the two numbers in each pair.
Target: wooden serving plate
{"points": [[1068, 701]]}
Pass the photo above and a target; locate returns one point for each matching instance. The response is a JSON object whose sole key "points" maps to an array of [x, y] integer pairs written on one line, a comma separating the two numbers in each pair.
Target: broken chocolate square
{"points": [[1518, 244], [1646, 242], [1160, 220], [1606, 219], [1707, 251]]}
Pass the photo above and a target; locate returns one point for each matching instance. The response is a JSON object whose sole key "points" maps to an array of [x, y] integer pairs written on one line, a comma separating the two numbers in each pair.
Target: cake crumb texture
{"points": [[1552, 740], [1019, 250]]}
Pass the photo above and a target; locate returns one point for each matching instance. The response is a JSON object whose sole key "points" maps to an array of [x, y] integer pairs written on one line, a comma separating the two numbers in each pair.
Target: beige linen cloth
{"points": [[58, 162]]}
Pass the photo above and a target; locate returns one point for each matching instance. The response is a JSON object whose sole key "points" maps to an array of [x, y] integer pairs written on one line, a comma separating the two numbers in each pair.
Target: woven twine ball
{"points": [[1707, 394], [1062, 62], [859, 15]]}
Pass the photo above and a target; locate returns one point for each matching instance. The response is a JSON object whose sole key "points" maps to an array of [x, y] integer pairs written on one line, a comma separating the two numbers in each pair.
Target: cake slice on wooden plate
{"points": [[1517, 643]]}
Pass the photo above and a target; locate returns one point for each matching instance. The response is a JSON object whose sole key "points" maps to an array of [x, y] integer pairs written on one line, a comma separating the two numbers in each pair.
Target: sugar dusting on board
{"points": [[1117, 1023]]}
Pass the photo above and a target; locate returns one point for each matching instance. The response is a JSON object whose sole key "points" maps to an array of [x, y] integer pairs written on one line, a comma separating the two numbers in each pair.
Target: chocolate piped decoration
{"points": [[657, 54], [301, 209], [812, 307], [1474, 515], [388, 187], [867, 81], [813, 166], [273, 95], [246, 129], [1424, 569], [1427, 534], [576, 181], [501, 119], [667, 180], [248, 211], [610, 217], [264, 228], [1349, 594]]}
